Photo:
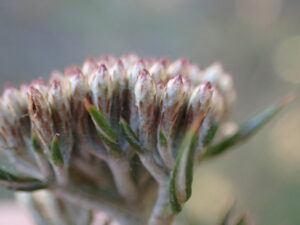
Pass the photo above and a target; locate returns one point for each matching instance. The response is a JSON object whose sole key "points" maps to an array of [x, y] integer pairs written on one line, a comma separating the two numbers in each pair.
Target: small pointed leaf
{"points": [[246, 130], [19, 183], [163, 141], [36, 145], [130, 136], [113, 146], [182, 173], [107, 134], [57, 155], [102, 124]]}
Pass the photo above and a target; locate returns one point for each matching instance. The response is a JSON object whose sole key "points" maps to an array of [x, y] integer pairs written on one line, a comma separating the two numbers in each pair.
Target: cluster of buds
{"points": [[107, 135]]}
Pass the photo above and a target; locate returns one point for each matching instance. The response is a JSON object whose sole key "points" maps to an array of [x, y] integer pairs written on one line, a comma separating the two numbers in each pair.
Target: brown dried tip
{"points": [[87, 104], [55, 139]]}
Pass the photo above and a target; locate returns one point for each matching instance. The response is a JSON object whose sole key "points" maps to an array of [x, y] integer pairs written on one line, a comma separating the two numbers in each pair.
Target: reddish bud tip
{"points": [[8, 85], [73, 71], [102, 68], [208, 85]]}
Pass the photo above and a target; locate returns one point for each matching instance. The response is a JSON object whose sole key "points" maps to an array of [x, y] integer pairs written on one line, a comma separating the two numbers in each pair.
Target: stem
{"points": [[113, 208], [162, 214], [155, 170], [122, 177]]}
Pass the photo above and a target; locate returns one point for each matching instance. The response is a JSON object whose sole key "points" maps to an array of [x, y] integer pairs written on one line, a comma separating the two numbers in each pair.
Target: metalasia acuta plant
{"points": [[118, 135]]}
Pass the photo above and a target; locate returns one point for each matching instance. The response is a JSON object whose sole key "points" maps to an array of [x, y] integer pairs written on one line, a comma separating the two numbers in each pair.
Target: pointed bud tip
{"points": [[73, 71], [102, 68], [144, 74], [208, 85], [38, 81], [91, 59], [176, 80]]}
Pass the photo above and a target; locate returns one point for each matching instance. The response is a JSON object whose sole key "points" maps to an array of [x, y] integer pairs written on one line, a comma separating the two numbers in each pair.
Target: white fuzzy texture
{"points": [[133, 73], [118, 75], [177, 67], [201, 97], [174, 92], [101, 88], [158, 71], [144, 90]]}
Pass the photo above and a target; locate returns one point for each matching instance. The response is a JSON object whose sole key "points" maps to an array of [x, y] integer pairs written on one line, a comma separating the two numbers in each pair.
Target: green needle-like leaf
{"points": [[107, 134], [113, 146], [246, 130], [163, 139], [57, 155], [182, 173], [19, 183], [130, 136], [100, 121], [36, 145]]}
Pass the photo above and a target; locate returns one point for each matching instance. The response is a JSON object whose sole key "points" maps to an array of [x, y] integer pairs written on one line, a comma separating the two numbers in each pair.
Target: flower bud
{"points": [[101, 90], [194, 74], [56, 76], [158, 70], [200, 98], [118, 75], [213, 73], [145, 95], [129, 59], [134, 71], [178, 67], [61, 114], [107, 60], [160, 88], [14, 101], [89, 66], [145, 100], [174, 98], [175, 92], [10, 127], [40, 115], [77, 90]]}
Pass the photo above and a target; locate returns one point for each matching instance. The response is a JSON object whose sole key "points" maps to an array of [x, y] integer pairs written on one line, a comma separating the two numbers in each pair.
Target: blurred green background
{"points": [[258, 41]]}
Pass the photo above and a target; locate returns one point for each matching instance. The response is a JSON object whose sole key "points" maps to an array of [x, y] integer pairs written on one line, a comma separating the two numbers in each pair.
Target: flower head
{"points": [[114, 122]]}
